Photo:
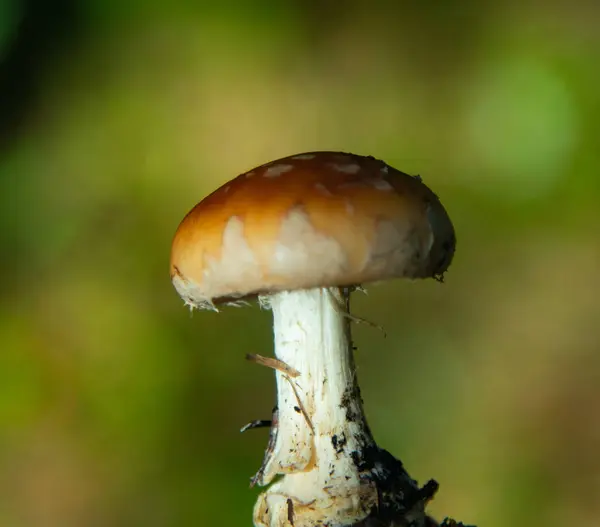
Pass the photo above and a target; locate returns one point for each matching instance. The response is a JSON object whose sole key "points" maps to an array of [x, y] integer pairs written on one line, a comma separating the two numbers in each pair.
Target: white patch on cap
{"points": [[385, 169], [323, 189], [304, 256], [380, 184], [249, 174], [226, 188], [232, 274], [397, 251], [351, 168], [277, 170], [304, 156], [235, 252]]}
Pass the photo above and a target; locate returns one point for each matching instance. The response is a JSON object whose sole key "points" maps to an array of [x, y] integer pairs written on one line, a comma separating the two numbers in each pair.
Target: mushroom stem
{"points": [[332, 471]]}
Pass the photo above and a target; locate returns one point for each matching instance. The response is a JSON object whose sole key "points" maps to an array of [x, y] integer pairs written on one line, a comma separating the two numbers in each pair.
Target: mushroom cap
{"points": [[317, 219]]}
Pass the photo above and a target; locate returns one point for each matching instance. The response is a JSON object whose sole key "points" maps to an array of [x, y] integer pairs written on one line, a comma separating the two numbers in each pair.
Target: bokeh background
{"points": [[118, 408]]}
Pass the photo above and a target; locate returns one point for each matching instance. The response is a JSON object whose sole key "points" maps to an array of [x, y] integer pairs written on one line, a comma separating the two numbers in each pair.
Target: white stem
{"points": [[320, 442]]}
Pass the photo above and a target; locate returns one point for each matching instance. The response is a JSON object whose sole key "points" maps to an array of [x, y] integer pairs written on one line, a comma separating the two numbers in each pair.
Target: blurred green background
{"points": [[117, 408]]}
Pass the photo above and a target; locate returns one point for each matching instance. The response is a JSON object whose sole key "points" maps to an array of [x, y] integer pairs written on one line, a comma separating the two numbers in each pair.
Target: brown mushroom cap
{"points": [[318, 219]]}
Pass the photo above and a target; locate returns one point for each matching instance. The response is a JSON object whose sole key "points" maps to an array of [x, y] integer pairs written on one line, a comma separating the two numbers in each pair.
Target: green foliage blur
{"points": [[119, 409]]}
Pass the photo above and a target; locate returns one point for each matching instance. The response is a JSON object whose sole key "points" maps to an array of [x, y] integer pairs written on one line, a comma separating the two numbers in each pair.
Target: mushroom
{"points": [[300, 234]]}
